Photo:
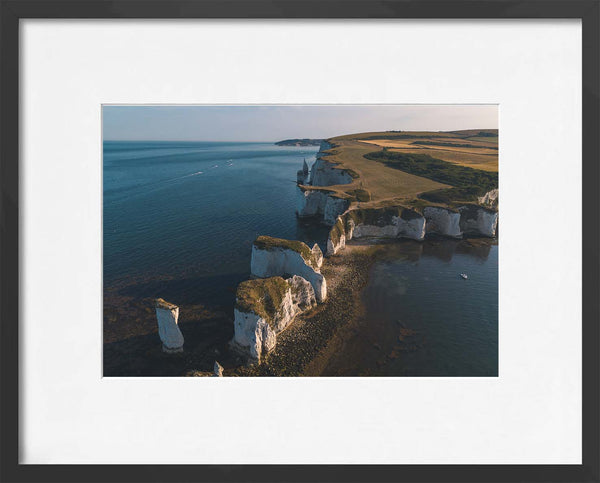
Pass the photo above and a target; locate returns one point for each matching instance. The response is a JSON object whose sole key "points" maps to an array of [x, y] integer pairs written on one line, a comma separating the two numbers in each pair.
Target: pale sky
{"points": [[274, 123]]}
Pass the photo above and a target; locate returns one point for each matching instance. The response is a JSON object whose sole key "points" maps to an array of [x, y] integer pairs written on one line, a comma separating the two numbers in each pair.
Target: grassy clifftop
{"points": [[271, 243], [415, 169], [263, 296]]}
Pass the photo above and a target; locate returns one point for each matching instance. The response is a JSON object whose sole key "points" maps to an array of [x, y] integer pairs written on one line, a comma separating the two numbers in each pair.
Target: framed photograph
{"points": [[300, 241]]}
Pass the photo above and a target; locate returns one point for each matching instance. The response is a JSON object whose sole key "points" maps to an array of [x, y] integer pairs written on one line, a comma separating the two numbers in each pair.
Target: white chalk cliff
{"points": [[277, 257], [167, 315], [264, 308], [477, 220], [490, 199], [324, 173], [319, 203], [399, 222], [388, 222], [442, 221], [310, 202]]}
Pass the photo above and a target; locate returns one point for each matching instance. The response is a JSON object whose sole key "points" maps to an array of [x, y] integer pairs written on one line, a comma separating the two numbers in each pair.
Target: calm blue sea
{"points": [[180, 218], [456, 320], [422, 318]]}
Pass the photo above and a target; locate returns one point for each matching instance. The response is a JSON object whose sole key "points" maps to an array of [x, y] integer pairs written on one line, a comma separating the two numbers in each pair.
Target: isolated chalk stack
{"points": [[168, 330]]}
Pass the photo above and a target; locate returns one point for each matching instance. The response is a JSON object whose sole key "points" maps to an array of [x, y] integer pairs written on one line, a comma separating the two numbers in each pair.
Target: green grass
{"points": [[263, 296]]}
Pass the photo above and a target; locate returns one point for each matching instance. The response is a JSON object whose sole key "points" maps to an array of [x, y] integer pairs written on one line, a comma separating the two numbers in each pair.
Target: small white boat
{"points": [[464, 275]]}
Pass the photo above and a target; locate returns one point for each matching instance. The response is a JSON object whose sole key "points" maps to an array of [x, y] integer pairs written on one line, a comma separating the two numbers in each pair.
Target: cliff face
{"points": [[168, 330], [477, 220], [442, 221], [388, 222], [310, 202], [276, 257], [324, 173], [321, 204], [400, 222], [264, 308]]}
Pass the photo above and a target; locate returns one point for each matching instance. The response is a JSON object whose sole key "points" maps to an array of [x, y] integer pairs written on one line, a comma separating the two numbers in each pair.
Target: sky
{"points": [[275, 123]]}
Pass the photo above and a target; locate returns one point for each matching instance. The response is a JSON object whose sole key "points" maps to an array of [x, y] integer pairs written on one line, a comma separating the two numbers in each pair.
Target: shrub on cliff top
{"points": [[381, 216], [270, 243], [263, 296], [448, 195]]}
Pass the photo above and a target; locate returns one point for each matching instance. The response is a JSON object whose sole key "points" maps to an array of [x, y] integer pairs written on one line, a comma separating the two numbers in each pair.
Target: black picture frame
{"points": [[12, 11]]}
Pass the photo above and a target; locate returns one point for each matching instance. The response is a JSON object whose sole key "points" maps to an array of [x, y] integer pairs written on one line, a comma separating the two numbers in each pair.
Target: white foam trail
{"points": [[188, 175]]}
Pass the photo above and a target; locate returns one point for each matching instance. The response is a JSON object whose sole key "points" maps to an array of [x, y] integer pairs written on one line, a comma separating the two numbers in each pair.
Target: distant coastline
{"points": [[299, 142]]}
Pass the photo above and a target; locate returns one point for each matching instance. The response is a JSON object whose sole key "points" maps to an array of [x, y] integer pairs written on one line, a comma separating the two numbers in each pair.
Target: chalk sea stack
{"points": [[264, 307], [167, 315], [279, 257]]}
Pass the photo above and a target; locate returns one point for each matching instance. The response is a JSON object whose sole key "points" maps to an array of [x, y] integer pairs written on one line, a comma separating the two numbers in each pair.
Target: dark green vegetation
{"points": [[467, 183], [470, 193], [263, 296], [271, 243], [452, 145], [404, 136], [299, 142], [380, 216], [488, 134]]}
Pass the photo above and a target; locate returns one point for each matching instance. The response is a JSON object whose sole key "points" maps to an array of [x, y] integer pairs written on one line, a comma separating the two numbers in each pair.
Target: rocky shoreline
{"points": [[298, 348]]}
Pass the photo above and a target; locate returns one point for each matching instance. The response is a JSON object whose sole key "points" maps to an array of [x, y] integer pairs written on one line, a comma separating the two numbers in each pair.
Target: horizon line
{"points": [[285, 139]]}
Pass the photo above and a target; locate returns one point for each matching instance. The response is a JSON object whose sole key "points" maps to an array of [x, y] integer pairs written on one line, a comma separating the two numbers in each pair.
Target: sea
{"points": [[179, 219]]}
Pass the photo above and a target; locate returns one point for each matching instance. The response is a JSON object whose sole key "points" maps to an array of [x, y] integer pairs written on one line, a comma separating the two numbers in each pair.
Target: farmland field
{"points": [[479, 152]]}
